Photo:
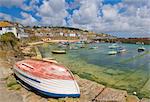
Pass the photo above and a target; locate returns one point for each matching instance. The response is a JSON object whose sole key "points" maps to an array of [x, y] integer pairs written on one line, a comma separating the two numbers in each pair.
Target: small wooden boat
{"points": [[141, 49], [46, 78], [59, 52], [112, 52]]}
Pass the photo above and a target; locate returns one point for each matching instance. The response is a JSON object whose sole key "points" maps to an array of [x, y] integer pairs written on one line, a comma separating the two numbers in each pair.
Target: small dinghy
{"points": [[82, 46], [121, 50], [141, 49], [113, 46], [73, 48], [112, 52], [59, 52], [46, 78], [94, 47]]}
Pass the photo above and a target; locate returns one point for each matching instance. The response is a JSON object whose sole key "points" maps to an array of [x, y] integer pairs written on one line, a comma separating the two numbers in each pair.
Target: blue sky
{"points": [[124, 18]]}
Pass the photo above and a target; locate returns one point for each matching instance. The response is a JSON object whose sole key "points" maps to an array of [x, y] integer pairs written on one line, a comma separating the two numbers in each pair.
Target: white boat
{"points": [[112, 52], [73, 48], [46, 78], [94, 47], [140, 49], [59, 51], [121, 50], [113, 46]]}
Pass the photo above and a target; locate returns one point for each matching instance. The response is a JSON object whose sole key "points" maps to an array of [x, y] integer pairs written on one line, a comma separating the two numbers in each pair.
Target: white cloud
{"points": [[135, 17], [10, 3], [5, 17], [32, 6], [86, 14], [109, 12], [20, 3], [137, 3], [52, 12], [28, 19]]}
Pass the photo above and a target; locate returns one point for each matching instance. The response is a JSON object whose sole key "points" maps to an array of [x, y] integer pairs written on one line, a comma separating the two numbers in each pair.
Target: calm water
{"points": [[129, 70]]}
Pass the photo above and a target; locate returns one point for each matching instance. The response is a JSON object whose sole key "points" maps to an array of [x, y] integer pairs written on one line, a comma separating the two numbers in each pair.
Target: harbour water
{"points": [[129, 70]]}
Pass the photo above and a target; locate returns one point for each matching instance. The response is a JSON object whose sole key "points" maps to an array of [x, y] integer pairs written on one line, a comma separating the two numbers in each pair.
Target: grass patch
{"points": [[12, 83]]}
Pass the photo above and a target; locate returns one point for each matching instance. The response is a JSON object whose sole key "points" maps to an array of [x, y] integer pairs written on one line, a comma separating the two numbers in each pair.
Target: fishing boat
{"points": [[141, 49], [59, 52], [113, 46], [46, 78], [112, 52]]}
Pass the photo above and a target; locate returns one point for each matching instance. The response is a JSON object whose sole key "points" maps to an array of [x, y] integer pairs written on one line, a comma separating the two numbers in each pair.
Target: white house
{"points": [[15, 28], [61, 34], [72, 35]]}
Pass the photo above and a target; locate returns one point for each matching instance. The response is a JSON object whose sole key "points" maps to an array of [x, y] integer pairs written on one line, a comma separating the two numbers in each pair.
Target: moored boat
{"points": [[59, 52], [73, 48], [46, 78], [140, 49], [112, 52], [121, 50], [94, 47], [113, 46], [82, 46]]}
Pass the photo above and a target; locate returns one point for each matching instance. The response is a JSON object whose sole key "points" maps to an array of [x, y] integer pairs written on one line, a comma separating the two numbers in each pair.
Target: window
{"points": [[9, 28], [0, 28]]}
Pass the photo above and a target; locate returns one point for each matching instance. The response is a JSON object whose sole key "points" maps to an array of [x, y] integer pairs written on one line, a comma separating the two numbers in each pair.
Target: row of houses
{"points": [[16, 28], [62, 32], [21, 32], [42, 34]]}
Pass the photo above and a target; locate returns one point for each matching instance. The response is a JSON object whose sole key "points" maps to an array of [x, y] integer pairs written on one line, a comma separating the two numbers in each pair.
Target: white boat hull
{"points": [[48, 87]]}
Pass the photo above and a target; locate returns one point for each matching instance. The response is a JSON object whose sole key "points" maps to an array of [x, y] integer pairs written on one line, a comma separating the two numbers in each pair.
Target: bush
{"points": [[8, 37], [8, 40]]}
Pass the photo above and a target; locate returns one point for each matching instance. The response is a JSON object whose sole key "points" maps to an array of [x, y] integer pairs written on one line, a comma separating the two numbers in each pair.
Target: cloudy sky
{"points": [[124, 18]]}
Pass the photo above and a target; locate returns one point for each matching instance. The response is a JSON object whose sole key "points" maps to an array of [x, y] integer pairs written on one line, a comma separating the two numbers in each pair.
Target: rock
{"points": [[145, 100], [63, 100], [132, 98], [89, 90], [5, 69], [10, 96], [31, 97], [52, 100], [111, 95], [6, 95]]}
